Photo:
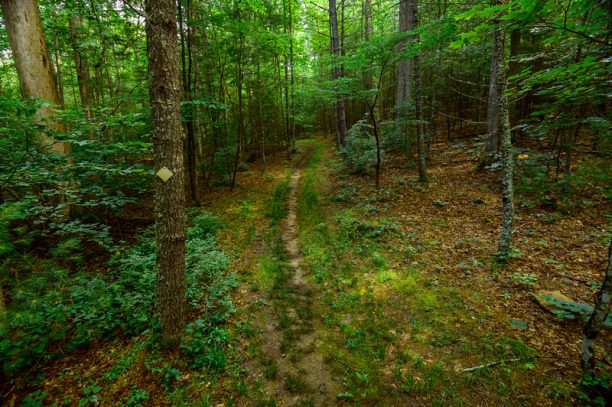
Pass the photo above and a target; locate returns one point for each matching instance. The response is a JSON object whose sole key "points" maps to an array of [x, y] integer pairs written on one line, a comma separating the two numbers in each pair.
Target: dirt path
{"points": [[292, 351]]}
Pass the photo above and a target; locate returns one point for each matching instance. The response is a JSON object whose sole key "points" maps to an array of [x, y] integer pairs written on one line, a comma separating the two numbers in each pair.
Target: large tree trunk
{"points": [[164, 89], [596, 322], [503, 129], [34, 69], [340, 114]]}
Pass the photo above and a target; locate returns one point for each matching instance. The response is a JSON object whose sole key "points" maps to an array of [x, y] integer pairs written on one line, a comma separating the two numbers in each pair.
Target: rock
{"points": [[544, 297]]}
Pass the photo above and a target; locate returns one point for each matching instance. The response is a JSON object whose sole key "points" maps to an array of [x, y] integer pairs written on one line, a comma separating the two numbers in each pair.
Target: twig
{"points": [[499, 362]]}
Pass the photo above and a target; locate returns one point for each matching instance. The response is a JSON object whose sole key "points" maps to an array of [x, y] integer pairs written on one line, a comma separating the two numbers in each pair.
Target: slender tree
{"points": [[492, 142], [82, 67], [164, 92], [503, 129], [403, 88], [414, 13], [337, 72]]}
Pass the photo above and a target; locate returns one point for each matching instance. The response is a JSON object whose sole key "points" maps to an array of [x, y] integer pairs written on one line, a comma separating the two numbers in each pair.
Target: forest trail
{"points": [[291, 332]]}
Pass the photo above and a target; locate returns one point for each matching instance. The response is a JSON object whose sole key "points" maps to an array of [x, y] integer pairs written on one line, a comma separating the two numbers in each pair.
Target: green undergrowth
{"points": [[278, 204], [55, 310], [392, 331]]}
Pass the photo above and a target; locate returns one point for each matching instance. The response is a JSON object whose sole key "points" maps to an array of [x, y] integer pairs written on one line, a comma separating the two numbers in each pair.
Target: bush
{"points": [[360, 151], [54, 306]]}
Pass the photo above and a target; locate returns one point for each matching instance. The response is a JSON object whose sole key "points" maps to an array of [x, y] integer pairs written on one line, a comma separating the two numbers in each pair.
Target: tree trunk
{"points": [[239, 78], [403, 88], [493, 138], [34, 69], [594, 325], [340, 114], [367, 36], [82, 68], [164, 91], [59, 74], [503, 129], [192, 174], [413, 12], [292, 73]]}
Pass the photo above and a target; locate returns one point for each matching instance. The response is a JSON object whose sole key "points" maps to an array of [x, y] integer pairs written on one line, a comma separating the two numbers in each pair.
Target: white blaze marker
{"points": [[164, 173]]}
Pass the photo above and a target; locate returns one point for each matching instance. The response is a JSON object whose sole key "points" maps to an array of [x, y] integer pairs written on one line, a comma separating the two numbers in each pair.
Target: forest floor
{"points": [[351, 296]]}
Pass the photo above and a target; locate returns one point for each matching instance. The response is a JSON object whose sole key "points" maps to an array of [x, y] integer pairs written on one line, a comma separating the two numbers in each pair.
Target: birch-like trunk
{"points": [[503, 129]]}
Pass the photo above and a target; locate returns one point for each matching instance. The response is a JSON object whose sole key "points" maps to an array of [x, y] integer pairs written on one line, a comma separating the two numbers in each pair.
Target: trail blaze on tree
{"points": [[164, 92]]}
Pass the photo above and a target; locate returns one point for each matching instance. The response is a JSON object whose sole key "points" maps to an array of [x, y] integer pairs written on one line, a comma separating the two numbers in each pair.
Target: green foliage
{"points": [[54, 305], [278, 204], [571, 310], [137, 397], [595, 388], [360, 151], [525, 278], [537, 183], [94, 182], [354, 225], [204, 343]]}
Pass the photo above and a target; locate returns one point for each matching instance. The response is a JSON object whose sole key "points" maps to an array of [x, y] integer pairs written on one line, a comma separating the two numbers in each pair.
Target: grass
{"points": [[385, 318], [278, 203]]}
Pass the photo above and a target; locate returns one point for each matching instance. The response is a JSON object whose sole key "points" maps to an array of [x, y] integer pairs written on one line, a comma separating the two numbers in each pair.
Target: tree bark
{"points": [[34, 69], [403, 90], [413, 12], [292, 73], [82, 68], [186, 62], [337, 73], [503, 129], [58, 69], [164, 91], [493, 138], [595, 324]]}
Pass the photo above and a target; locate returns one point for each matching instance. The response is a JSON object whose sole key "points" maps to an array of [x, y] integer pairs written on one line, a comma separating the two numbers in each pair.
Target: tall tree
{"points": [[503, 129], [337, 72], [34, 69], [292, 72], [367, 36], [82, 67], [185, 35], [403, 88], [414, 13], [493, 137], [164, 92]]}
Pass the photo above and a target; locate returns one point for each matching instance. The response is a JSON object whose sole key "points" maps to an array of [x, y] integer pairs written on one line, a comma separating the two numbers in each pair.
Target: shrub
{"points": [[360, 151], [53, 305]]}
